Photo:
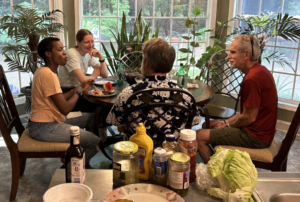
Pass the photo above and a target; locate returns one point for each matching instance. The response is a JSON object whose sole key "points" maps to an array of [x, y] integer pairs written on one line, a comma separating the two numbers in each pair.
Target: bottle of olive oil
{"points": [[75, 158]]}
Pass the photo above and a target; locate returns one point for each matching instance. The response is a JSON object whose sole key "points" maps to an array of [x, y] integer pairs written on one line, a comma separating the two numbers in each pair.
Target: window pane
{"points": [[23, 3], [42, 5], [179, 29], [106, 25], [90, 8], [13, 81], [163, 8], [297, 89], [25, 79], [298, 67], [282, 42], [284, 85], [250, 7], [129, 25], [164, 28], [146, 6], [5, 7], [4, 39], [202, 4], [291, 56], [292, 7], [2, 58], [109, 8], [267, 5], [181, 8], [267, 51], [127, 7], [92, 24], [107, 46]]}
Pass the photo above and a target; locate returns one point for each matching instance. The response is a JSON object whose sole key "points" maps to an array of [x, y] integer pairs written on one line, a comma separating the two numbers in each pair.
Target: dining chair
{"points": [[225, 81], [275, 157], [25, 147], [151, 110]]}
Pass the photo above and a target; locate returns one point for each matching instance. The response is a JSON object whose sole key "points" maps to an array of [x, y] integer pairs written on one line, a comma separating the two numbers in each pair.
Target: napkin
{"points": [[74, 115], [192, 85]]}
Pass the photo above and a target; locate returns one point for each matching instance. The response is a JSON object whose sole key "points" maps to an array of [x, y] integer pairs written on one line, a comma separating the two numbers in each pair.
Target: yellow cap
{"points": [[126, 147], [180, 158], [141, 130]]}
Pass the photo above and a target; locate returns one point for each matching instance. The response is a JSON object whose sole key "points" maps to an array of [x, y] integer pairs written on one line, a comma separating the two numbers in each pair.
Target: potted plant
{"points": [[26, 28], [139, 34]]}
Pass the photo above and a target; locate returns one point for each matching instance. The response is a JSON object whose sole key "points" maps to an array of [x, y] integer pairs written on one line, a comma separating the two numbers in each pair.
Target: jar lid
{"points": [[188, 135], [126, 147], [180, 158], [159, 151], [74, 130], [170, 138]]}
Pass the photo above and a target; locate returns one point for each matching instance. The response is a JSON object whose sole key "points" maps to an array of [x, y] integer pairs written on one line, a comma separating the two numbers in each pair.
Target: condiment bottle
{"points": [[170, 145], [180, 76], [75, 158], [188, 145], [145, 144], [125, 164], [159, 167], [179, 172]]}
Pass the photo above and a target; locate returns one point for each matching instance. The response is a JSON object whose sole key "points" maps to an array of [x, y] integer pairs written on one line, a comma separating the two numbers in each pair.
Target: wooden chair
{"points": [[147, 103], [25, 147], [275, 157], [225, 81]]}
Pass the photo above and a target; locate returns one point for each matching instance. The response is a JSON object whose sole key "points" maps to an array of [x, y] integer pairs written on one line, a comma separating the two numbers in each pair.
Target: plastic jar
{"points": [[170, 144], [188, 145], [179, 172], [159, 167], [125, 164]]}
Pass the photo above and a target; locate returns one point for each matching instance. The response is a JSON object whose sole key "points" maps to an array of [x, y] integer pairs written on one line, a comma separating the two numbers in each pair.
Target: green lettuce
{"points": [[235, 173]]}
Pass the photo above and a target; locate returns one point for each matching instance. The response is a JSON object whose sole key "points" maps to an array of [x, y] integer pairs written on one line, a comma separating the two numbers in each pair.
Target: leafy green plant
{"points": [[188, 53], [26, 29], [139, 34]]}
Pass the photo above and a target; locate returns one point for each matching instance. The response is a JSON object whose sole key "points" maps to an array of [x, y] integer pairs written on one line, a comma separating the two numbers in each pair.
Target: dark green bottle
{"points": [[180, 77], [120, 73]]}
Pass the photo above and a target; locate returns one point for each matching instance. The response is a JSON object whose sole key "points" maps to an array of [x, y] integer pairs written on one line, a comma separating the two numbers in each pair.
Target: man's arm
{"points": [[245, 119]]}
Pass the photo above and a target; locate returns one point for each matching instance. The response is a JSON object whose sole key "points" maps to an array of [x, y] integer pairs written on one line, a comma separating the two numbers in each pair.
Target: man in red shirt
{"points": [[255, 125]]}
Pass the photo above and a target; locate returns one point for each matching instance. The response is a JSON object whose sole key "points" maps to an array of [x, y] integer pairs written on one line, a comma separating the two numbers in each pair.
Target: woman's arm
{"points": [[99, 69]]}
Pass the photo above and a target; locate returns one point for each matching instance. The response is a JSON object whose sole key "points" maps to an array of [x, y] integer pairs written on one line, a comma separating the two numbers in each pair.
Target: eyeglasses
{"points": [[252, 42]]}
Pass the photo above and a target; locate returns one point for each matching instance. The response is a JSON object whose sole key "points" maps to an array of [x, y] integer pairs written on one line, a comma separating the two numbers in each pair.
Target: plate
{"points": [[110, 95], [103, 81], [143, 192], [68, 192]]}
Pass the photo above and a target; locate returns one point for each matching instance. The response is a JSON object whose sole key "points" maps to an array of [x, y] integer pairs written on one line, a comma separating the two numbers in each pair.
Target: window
{"points": [[17, 79], [100, 16], [287, 80]]}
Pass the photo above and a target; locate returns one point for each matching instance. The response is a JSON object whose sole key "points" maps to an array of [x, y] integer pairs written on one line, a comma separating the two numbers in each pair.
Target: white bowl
{"points": [[68, 192]]}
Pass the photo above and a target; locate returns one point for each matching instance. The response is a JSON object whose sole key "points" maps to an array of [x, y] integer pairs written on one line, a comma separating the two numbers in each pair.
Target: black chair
{"points": [[148, 104], [275, 157], [225, 81], [26, 147]]}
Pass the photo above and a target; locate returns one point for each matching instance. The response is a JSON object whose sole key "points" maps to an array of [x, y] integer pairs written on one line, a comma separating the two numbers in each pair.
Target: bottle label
{"points": [[78, 169], [118, 175], [183, 149], [160, 168], [179, 180], [76, 140], [142, 155]]}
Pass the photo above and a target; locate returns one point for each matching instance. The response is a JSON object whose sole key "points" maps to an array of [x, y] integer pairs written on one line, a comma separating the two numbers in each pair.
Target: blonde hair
{"points": [[245, 45], [160, 55]]}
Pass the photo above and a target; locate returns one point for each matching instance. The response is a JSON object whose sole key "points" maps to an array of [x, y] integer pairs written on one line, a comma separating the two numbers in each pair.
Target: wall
{"points": [[69, 20]]}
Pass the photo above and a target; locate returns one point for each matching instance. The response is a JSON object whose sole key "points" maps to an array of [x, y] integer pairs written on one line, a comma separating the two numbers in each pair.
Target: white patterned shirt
{"points": [[66, 76]]}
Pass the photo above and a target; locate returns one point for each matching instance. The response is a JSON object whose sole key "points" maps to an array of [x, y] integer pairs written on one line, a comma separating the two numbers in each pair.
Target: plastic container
{"points": [[145, 144], [179, 172], [159, 167], [170, 144], [188, 145], [125, 164]]}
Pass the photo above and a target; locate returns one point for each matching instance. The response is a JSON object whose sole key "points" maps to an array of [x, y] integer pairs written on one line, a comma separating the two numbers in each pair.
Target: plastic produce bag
{"points": [[203, 179]]}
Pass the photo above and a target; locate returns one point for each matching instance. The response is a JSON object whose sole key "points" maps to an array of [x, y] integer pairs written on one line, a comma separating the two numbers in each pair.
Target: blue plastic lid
{"points": [[170, 138]]}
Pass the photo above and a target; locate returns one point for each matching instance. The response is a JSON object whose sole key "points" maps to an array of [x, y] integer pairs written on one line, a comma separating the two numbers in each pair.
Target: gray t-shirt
{"points": [[66, 76]]}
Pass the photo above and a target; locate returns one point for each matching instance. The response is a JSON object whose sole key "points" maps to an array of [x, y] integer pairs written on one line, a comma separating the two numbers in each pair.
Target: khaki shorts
{"points": [[235, 137]]}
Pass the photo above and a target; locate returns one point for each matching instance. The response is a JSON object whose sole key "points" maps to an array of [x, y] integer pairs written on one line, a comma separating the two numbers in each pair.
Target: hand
{"points": [[78, 88], [87, 84], [96, 53], [217, 124]]}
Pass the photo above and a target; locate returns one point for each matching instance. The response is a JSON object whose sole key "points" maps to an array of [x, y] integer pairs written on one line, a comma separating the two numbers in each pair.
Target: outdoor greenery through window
{"points": [[17, 79], [287, 79], [100, 16]]}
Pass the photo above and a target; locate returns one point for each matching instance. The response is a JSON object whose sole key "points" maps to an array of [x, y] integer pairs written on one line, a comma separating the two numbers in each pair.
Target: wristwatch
{"points": [[227, 125], [79, 93], [101, 61]]}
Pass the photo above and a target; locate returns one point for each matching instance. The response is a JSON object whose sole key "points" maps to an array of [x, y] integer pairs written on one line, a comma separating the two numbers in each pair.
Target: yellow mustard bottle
{"points": [[145, 151]]}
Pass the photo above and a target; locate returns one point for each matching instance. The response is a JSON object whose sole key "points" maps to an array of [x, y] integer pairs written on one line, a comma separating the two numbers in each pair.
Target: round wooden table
{"points": [[203, 95]]}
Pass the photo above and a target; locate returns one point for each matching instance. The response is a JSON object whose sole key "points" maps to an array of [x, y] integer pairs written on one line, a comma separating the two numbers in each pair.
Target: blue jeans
{"points": [[60, 132]]}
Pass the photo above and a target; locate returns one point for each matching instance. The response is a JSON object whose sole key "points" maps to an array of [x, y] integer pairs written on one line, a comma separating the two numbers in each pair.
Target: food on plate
{"points": [[108, 87], [235, 174], [99, 92]]}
